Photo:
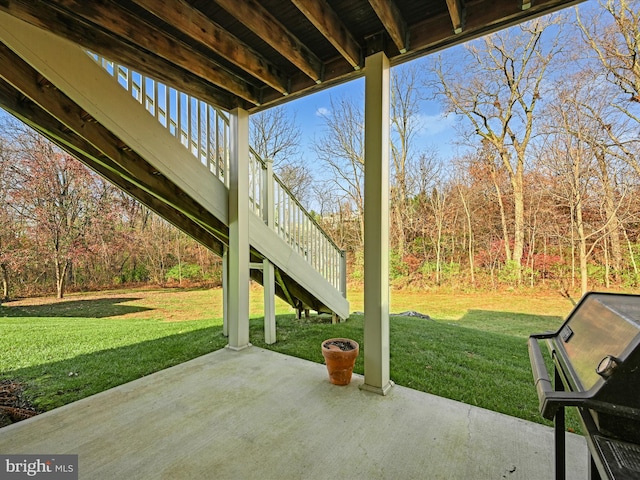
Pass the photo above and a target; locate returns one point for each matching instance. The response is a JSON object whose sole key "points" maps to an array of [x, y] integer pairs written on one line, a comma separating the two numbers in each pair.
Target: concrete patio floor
{"points": [[263, 415]]}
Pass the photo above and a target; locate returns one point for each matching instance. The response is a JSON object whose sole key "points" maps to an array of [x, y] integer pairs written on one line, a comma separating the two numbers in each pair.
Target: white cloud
{"points": [[323, 112]]}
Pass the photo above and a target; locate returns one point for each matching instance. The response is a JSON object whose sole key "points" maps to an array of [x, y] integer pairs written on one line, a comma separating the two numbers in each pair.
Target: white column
{"points": [[376, 224], [268, 281], [268, 272], [238, 296], [225, 291]]}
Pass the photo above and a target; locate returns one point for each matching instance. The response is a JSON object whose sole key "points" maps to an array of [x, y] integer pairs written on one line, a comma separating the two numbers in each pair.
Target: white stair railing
{"points": [[294, 224], [201, 128], [204, 130]]}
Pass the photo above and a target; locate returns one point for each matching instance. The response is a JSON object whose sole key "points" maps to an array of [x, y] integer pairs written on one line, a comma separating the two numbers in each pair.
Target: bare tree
{"points": [[275, 136], [584, 159], [341, 150], [438, 202], [56, 192], [612, 32], [406, 97], [463, 186], [497, 87], [8, 220]]}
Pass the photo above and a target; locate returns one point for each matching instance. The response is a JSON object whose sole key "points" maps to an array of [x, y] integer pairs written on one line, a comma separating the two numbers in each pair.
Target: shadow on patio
{"points": [[261, 414]]}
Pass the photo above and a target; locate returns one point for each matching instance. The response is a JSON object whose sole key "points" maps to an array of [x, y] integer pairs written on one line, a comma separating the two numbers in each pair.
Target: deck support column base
{"points": [[378, 390], [238, 349]]}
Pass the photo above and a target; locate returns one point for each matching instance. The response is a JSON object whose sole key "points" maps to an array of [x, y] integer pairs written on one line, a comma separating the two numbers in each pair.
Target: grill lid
{"points": [[596, 353], [598, 336]]}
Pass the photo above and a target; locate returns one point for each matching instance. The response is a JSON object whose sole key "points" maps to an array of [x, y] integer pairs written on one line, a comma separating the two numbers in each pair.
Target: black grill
{"points": [[596, 358]]}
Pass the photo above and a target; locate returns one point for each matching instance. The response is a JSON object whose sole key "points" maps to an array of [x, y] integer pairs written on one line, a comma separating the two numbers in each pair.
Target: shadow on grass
{"points": [[89, 308], [57, 383], [509, 323]]}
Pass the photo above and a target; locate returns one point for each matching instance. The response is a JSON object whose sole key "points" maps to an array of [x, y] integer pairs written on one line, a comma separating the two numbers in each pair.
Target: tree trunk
{"points": [[439, 252], [503, 220], [399, 234], [613, 223], [584, 277], [5, 283], [518, 228], [61, 277], [631, 255], [573, 246], [467, 213]]}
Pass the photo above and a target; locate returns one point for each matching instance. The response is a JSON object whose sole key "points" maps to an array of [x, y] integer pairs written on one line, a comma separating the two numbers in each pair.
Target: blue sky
{"points": [[436, 130]]}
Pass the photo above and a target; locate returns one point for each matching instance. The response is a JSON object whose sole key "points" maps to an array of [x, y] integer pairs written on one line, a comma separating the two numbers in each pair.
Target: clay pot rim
{"points": [[341, 339]]}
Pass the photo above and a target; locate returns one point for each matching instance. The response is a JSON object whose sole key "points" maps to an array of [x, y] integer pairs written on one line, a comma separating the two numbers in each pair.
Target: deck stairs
{"points": [[170, 150]]}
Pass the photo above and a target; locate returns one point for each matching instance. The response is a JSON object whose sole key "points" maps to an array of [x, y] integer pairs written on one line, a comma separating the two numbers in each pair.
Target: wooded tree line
{"points": [[62, 226], [545, 185], [543, 190]]}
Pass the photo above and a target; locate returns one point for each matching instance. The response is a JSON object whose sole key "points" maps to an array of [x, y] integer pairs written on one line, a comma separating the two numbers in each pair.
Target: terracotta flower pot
{"points": [[340, 356]]}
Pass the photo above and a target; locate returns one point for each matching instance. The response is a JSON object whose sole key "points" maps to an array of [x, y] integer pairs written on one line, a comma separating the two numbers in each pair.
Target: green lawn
{"points": [[473, 350]]}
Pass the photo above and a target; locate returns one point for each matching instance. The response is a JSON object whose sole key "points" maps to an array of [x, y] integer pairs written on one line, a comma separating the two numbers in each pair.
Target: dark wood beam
{"points": [[325, 19], [390, 16], [456, 13], [130, 165], [42, 15], [480, 18], [255, 17], [109, 17], [202, 29], [336, 71]]}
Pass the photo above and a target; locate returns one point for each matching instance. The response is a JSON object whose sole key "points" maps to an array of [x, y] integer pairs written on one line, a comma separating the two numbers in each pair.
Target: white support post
{"points": [[269, 283], [239, 231], [376, 225], [225, 291], [268, 272]]}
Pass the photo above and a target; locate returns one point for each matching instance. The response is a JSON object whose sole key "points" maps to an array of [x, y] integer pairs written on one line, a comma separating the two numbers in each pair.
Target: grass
{"points": [[473, 350]]}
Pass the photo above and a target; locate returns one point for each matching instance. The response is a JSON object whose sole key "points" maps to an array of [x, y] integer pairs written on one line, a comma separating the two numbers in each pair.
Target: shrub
{"points": [[186, 271]]}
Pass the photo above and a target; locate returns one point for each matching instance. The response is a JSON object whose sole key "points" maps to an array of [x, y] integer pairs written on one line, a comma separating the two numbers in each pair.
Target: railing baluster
{"points": [[206, 134], [190, 113], [167, 109]]}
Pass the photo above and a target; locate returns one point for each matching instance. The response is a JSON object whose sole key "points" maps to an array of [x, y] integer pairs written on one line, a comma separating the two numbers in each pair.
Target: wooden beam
{"points": [[290, 300], [118, 22], [336, 71], [325, 19], [255, 17], [394, 24], [481, 17], [456, 13], [202, 29], [42, 15]]}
